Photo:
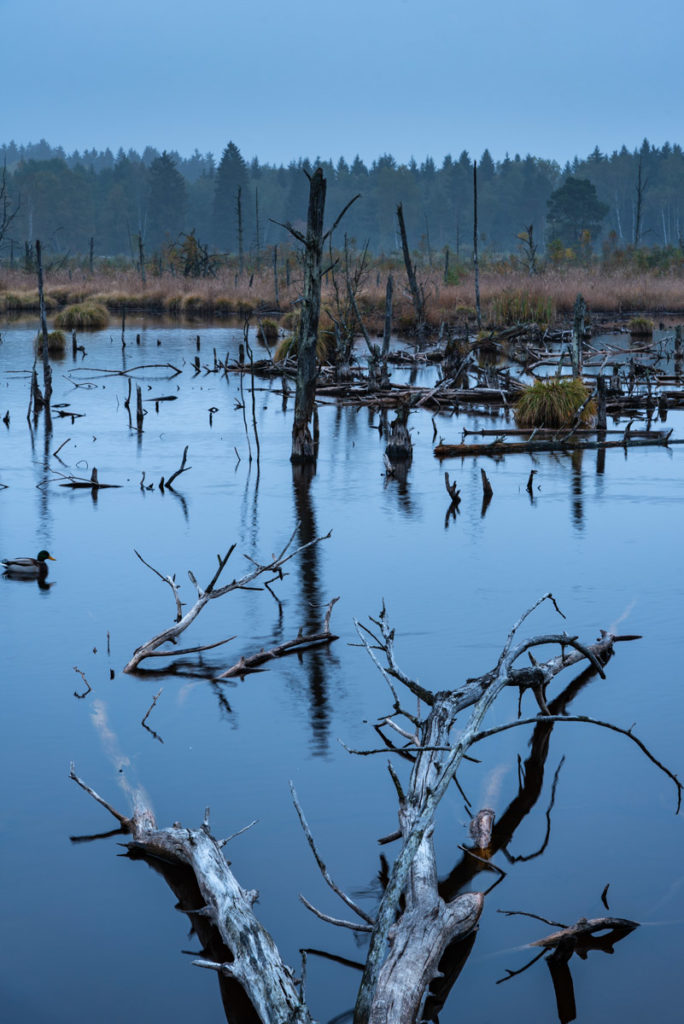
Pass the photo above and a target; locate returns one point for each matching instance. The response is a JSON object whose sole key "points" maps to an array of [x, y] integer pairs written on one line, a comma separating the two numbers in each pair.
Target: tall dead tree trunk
{"points": [[577, 336], [257, 229], [640, 189], [47, 372], [275, 277], [417, 293], [302, 443], [240, 242], [387, 330], [476, 260], [141, 259], [303, 447]]}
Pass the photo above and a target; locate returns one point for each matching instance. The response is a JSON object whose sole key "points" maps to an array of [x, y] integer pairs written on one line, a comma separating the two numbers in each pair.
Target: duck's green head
{"points": [[42, 555]]}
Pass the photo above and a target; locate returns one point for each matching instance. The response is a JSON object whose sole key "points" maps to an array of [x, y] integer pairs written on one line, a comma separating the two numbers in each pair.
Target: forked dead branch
{"points": [[416, 919], [274, 567]]}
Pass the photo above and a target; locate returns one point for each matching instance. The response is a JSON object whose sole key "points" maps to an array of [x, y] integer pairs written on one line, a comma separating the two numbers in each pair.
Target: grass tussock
{"points": [[83, 316], [57, 343], [268, 331], [325, 344], [641, 327], [554, 403]]}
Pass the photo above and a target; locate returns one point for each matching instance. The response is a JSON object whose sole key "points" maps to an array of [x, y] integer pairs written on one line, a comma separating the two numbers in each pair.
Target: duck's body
{"points": [[33, 568]]}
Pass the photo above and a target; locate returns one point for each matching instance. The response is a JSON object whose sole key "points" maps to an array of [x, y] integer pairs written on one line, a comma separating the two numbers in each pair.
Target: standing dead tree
{"points": [[303, 448], [414, 922], [476, 258], [417, 290], [47, 371], [274, 567]]}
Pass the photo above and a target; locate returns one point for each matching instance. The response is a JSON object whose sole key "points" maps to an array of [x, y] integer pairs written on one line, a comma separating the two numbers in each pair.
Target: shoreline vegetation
{"points": [[508, 296]]}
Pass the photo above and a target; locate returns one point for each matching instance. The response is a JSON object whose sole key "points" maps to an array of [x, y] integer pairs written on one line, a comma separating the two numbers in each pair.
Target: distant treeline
{"points": [[105, 203]]}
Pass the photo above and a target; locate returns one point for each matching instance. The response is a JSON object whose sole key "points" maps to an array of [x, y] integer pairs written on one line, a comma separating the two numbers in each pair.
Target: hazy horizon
{"points": [[368, 160], [283, 81]]}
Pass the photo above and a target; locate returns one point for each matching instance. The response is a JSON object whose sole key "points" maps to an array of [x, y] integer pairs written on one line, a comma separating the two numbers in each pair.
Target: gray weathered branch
{"points": [[208, 593], [257, 966]]}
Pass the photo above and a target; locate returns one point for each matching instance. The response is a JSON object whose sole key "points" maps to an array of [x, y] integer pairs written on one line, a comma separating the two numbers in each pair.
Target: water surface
{"points": [[89, 935]]}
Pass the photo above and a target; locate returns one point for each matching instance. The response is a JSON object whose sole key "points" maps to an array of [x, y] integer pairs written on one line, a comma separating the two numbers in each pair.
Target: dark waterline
{"points": [[90, 935]]}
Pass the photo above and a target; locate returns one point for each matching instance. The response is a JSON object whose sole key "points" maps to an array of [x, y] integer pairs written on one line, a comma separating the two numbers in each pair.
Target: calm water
{"points": [[89, 935]]}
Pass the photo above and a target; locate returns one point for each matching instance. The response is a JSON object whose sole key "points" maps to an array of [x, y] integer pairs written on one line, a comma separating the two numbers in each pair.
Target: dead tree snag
{"points": [[417, 918], [417, 290]]}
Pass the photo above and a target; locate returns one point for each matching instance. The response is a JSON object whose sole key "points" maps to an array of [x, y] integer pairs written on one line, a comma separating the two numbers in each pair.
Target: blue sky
{"points": [[363, 76]]}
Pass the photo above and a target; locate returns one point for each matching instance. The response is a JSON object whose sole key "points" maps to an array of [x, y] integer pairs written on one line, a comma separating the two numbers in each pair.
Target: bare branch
{"points": [[124, 821], [330, 231], [335, 920], [245, 828], [321, 865], [182, 468], [210, 592], [543, 719]]}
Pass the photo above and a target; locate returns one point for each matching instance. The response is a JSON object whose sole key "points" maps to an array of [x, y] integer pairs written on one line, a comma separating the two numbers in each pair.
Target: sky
{"points": [[413, 78]]}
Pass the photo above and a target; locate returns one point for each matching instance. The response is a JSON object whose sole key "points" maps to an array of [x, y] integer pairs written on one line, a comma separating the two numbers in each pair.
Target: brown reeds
{"points": [[507, 295]]}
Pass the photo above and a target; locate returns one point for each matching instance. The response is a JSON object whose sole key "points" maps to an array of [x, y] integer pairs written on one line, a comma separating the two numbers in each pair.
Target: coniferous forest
{"points": [[107, 204]]}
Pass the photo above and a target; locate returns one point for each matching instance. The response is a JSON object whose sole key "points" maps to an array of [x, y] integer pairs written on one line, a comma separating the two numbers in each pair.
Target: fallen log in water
{"points": [[497, 447]]}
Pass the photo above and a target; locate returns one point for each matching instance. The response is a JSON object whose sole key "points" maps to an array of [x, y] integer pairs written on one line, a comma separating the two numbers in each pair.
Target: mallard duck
{"points": [[33, 568]]}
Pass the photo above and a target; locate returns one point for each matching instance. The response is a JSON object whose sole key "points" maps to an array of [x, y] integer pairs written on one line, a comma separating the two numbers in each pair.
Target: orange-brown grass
{"points": [[505, 293], [83, 316]]}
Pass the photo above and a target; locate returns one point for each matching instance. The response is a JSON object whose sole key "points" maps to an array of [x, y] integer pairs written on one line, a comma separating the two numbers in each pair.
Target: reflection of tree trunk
{"points": [[529, 791], [577, 503], [312, 601], [557, 963]]}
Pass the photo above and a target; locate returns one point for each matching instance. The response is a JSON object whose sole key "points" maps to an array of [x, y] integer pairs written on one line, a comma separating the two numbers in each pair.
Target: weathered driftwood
{"points": [[414, 923], [300, 643], [257, 965], [391, 981], [206, 594], [81, 483], [584, 928], [495, 448]]}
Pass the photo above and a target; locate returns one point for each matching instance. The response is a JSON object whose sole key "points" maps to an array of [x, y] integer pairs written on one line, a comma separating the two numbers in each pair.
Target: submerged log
{"points": [[256, 962], [451, 451]]}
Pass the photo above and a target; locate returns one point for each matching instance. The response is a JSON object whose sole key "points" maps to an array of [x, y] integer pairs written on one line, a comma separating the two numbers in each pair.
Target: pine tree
{"points": [[231, 175], [167, 203]]}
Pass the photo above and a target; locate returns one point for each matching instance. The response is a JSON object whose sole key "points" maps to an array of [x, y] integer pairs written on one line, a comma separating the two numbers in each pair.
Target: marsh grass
{"points": [[507, 294], [554, 403], [515, 307], [268, 331], [57, 343], [288, 347], [83, 316], [640, 327]]}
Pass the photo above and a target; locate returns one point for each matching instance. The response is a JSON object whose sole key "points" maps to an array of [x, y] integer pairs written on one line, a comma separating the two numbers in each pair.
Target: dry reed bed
{"points": [[506, 294]]}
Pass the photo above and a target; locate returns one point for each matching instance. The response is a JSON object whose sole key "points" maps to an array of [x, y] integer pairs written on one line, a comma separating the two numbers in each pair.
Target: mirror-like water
{"points": [[89, 935]]}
